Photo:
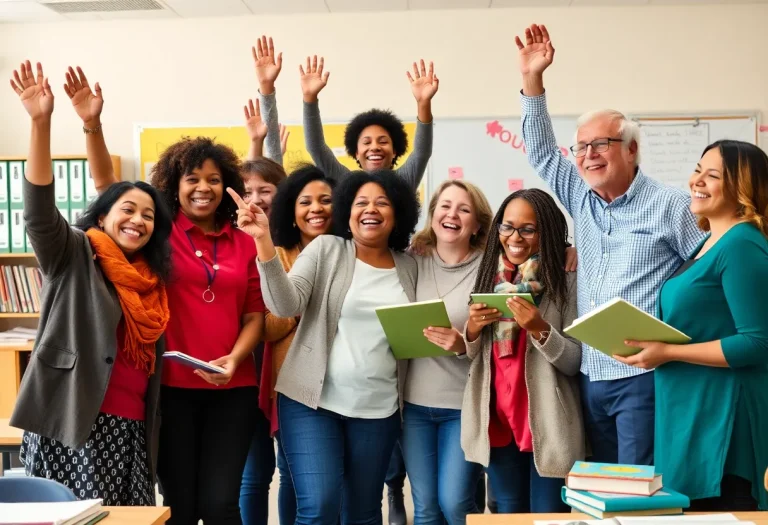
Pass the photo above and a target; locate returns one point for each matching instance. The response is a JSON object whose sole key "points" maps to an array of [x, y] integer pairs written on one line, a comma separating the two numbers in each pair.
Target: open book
{"points": [[404, 326], [607, 327], [67, 513], [192, 362]]}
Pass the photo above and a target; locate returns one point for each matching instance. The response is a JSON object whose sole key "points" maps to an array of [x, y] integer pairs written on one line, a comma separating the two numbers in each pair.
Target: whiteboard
{"points": [[490, 153]]}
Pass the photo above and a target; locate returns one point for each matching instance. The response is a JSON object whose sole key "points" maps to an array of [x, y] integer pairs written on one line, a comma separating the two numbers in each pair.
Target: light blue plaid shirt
{"points": [[627, 248]]}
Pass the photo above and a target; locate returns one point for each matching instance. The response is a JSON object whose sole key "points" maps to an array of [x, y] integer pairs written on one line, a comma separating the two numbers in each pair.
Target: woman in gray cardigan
{"points": [[88, 401], [521, 415], [338, 386]]}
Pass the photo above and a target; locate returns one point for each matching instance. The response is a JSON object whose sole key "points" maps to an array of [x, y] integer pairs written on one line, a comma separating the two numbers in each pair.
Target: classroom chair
{"points": [[33, 490]]}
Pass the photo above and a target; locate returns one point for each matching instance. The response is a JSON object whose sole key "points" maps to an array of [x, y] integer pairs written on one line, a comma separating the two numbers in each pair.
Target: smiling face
{"points": [[259, 192], [374, 149], [707, 184], [131, 221], [518, 247], [372, 218], [313, 210], [609, 172], [454, 219], [200, 192]]}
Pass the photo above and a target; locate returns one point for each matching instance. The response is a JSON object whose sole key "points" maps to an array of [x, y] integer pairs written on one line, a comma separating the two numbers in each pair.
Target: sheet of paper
{"points": [[700, 519]]}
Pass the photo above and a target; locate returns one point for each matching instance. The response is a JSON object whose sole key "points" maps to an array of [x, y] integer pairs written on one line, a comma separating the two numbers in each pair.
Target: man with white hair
{"points": [[632, 232]]}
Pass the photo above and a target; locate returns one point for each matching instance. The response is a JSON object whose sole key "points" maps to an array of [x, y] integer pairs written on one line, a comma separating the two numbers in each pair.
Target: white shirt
{"points": [[361, 378]]}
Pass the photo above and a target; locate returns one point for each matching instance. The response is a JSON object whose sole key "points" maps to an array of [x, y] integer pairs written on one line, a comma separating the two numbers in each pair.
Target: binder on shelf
{"points": [[16, 205], [76, 190], [5, 225], [90, 185], [61, 187]]}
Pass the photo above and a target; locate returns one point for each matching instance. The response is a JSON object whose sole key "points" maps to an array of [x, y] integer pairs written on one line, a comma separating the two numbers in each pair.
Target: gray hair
{"points": [[629, 129]]}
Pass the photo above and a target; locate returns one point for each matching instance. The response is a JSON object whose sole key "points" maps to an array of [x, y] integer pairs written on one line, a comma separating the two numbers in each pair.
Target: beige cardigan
{"points": [[554, 405]]}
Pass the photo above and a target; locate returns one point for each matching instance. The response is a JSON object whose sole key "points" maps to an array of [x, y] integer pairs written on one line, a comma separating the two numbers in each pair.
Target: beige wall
{"points": [[644, 59]]}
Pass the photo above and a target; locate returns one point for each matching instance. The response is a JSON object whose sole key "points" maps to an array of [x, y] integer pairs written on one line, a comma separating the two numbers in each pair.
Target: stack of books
{"points": [[86, 512], [18, 336], [20, 289], [606, 490]]}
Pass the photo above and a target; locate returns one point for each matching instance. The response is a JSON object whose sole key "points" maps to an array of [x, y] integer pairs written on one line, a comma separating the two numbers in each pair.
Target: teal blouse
{"points": [[713, 421]]}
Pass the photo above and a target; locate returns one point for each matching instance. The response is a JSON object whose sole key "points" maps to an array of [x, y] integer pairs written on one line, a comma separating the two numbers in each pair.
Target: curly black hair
{"points": [[157, 251], [553, 239], [405, 204], [377, 117], [188, 154], [282, 218]]}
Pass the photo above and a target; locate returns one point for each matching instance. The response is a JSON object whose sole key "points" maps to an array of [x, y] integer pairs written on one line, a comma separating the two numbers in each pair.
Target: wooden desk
{"points": [[10, 442], [759, 518], [136, 516]]}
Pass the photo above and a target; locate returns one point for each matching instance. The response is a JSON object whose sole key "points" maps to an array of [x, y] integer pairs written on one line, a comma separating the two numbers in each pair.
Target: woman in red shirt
{"points": [[217, 315]]}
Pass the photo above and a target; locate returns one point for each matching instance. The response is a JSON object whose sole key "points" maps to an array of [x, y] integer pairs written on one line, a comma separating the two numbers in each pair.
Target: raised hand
{"points": [[424, 84], [313, 80], [267, 66], [34, 91], [254, 125], [537, 53], [88, 104], [250, 218], [284, 134]]}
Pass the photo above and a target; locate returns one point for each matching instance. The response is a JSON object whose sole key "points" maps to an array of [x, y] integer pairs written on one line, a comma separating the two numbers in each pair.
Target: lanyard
{"points": [[208, 295]]}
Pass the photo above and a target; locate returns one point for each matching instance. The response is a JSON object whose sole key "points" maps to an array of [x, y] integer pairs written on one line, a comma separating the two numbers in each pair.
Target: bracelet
{"points": [[92, 131], [542, 336]]}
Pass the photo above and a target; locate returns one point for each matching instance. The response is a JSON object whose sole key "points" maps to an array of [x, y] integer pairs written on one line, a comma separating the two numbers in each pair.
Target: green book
{"points": [[607, 327], [404, 326], [499, 301]]}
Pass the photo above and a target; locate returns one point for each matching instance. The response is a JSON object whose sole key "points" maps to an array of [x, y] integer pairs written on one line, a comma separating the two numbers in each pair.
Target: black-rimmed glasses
{"points": [[526, 232], [598, 146]]}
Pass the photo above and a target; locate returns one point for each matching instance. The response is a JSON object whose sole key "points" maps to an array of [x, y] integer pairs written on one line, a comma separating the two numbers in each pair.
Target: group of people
{"points": [[218, 257]]}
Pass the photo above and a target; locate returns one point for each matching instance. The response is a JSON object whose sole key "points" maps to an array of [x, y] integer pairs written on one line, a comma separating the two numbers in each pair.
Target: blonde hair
{"points": [[425, 240], [745, 180]]}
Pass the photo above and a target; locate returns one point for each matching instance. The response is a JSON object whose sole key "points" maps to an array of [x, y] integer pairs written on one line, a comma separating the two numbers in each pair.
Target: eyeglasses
{"points": [[598, 146], [505, 230]]}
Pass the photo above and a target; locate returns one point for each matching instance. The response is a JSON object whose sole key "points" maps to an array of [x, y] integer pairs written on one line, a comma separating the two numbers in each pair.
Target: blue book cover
{"points": [[665, 498], [612, 470]]}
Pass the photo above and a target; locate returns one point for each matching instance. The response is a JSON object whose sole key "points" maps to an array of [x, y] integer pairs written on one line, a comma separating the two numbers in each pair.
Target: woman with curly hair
{"points": [[217, 315], [338, 386]]}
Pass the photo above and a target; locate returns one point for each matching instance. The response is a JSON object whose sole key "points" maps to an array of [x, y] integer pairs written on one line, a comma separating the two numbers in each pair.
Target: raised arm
{"points": [[268, 67], [88, 105], [424, 86], [256, 128], [54, 243], [544, 155], [313, 80]]}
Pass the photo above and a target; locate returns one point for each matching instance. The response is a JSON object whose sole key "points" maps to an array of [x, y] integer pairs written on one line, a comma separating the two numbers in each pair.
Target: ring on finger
{"points": [[482, 318]]}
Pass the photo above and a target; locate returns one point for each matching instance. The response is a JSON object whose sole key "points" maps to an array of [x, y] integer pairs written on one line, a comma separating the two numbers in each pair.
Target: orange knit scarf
{"points": [[142, 298]]}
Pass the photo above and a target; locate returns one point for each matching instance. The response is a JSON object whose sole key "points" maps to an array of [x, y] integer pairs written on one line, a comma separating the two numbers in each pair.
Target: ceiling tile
{"points": [[609, 3], [203, 8], [286, 6], [142, 15], [83, 16], [530, 3], [448, 4], [27, 12], [339, 6]]}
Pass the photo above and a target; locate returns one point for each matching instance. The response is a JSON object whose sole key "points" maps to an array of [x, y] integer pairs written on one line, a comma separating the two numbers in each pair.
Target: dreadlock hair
{"points": [[377, 117], [552, 230]]}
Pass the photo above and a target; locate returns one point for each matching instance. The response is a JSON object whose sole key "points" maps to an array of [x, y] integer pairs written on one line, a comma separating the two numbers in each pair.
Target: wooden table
{"points": [[759, 518], [10, 442], [136, 516]]}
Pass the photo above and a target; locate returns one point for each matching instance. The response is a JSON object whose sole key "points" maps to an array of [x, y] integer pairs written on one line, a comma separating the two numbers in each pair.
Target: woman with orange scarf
{"points": [[89, 399]]}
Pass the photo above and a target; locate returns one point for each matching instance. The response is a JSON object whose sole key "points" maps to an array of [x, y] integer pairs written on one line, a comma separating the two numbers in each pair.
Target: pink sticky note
{"points": [[515, 184], [456, 173], [763, 129]]}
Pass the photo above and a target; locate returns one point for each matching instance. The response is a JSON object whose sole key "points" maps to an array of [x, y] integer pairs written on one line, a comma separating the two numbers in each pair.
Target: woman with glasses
{"points": [[521, 415]]}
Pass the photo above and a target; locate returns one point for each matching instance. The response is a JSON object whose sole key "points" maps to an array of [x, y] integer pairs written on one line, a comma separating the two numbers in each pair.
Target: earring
{"points": [[294, 224], [101, 225]]}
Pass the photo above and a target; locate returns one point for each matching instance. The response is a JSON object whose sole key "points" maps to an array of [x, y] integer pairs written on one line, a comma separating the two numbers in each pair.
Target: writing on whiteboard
{"points": [[497, 131], [669, 153]]}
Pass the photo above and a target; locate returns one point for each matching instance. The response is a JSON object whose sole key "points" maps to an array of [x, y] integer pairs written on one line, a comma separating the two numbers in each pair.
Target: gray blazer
{"points": [[554, 406], [64, 386], [315, 288]]}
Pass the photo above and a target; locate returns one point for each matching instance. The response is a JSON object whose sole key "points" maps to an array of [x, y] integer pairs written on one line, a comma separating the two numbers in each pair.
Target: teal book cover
{"points": [[613, 470], [665, 498]]}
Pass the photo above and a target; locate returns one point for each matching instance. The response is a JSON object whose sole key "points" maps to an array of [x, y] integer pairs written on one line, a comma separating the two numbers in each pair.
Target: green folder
{"points": [[499, 301], [404, 326], [607, 327]]}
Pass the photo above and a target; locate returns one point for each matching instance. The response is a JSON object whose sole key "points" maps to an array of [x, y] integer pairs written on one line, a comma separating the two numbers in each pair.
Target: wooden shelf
{"points": [[17, 255], [17, 348], [15, 315]]}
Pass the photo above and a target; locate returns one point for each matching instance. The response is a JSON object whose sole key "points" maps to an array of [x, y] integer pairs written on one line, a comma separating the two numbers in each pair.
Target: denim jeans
{"points": [[443, 483], [518, 487], [257, 475], [286, 494], [338, 464], [395, 479]]}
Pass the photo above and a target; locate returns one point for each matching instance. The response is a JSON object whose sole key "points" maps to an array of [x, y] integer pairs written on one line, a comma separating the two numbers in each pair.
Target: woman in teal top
{"points": [[712, 394]]}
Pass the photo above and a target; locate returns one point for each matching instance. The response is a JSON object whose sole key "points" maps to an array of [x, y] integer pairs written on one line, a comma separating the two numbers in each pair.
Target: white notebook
{"points": [[69, 513]]}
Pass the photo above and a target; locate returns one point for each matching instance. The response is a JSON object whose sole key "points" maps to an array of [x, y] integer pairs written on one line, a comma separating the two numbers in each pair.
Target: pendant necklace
{"points": [[208, 295]]}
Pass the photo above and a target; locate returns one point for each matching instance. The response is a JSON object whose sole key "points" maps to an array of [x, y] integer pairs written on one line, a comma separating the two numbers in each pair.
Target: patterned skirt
{"points": [[112, 466]]}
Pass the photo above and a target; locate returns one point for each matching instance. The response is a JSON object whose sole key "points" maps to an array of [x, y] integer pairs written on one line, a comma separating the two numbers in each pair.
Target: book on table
{"points": [[607, 327], [604, 505], [404, 326], [640, 480], [499, 301], [61, 513]]}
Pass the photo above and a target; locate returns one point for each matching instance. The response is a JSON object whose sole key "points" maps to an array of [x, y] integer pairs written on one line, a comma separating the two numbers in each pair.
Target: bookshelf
{"points": [[14, 358]]}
